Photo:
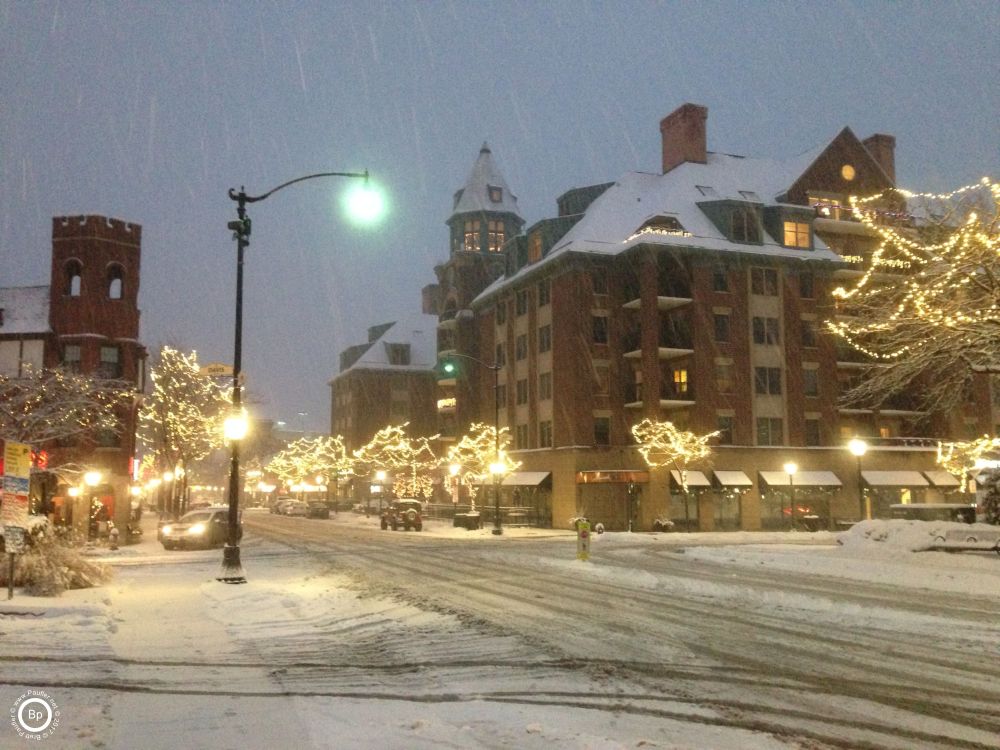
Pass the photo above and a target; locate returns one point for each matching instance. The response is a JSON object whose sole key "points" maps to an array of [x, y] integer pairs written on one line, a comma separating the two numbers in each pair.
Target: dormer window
{"points": [[398, 354], [750, 195], [796, 234], [744, 226], [662, 224], [496, 194]]}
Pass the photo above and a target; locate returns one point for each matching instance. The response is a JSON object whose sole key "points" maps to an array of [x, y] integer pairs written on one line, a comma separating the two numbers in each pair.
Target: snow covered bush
{"points": [[991, 501], [52, 563]]}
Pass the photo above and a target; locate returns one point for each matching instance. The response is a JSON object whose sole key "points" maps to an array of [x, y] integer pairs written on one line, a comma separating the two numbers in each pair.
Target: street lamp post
{"points": [[790, 469], [495, 367], [858, 448], [232, 569]]}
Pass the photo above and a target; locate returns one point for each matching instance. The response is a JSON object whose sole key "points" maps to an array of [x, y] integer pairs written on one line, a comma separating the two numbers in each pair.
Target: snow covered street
{"points": [[348, 637]]}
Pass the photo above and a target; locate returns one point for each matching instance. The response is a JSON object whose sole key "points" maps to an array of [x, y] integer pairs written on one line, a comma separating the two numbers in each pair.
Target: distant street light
{"points": [[858, 448], [790, 469], [365, 207]]}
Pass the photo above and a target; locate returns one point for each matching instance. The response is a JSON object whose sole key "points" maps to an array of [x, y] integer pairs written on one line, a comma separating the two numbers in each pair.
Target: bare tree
{"points": [[927, 308]]}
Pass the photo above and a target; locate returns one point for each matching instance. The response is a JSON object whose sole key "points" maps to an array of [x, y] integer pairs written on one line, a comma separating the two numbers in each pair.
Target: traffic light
{"points": [[447, 368]]}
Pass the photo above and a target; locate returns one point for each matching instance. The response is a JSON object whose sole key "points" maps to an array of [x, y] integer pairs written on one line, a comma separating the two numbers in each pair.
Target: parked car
{"points": [[405, 513], [295, 508], [198, 529], [317, 509], [278, 506]]}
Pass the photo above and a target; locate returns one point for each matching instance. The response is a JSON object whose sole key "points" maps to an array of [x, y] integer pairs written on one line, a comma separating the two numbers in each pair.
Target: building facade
{"points": [[86, 320], [697, 294]]}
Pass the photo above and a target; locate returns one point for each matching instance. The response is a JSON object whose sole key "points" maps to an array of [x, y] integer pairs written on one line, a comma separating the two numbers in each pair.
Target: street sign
{"points": [[583, 540], [16, 480], [13, 539]]}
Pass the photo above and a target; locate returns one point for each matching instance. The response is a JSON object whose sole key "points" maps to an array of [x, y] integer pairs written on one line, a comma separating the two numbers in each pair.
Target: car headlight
{"points": [[167, 529], [198, 528]]}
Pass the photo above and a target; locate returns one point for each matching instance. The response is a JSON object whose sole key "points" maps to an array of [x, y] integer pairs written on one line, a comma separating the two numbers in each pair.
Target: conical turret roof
{"points": [[485, 189]]}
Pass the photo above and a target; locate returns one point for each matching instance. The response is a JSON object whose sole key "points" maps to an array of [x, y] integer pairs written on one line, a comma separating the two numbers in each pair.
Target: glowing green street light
{"points": [[365, 203]]}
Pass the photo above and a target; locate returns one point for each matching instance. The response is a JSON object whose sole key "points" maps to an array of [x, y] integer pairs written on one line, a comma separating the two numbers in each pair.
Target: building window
{"points": [[725, 377], [725, 424], [472, 235], [602, 379], [398, 354], [521, 436], [545, 434], [535, 248], [812, 432], [116, 281], [767, 380], [809, 334], [73, 275], [766, 331], [600, 323], [810, 382], [71, 359], [720, 279], [494, 235], [796, 234], [501, 396], [745, 226], [770, 431], [501, 312], [721, 327], [110, 366], [522, 392], [680, 377], [807, 285], [599, 280], [545, 339], [501, 357], [521, 302], [521, 347], [764, 282], [543, 293], [496, 193], [544, 386], [602, 430]]}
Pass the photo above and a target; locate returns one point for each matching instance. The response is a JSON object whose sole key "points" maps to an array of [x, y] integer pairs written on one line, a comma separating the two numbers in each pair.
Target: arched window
{"points": [[73, 278], [116, 281]]}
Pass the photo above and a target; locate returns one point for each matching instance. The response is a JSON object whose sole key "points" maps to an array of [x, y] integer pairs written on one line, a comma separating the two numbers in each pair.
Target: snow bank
{"points": [[898, 536]]}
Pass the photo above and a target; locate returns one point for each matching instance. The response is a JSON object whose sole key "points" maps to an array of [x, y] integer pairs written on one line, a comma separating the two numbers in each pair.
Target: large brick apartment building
{"points": [[695, 294], [85, 320]]}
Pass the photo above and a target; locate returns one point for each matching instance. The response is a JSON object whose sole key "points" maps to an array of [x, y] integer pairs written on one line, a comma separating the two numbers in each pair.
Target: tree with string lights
{"points": [[663, 444], [181, 420], [410, 460], [926, 310], [961, 458], [476, 451]]}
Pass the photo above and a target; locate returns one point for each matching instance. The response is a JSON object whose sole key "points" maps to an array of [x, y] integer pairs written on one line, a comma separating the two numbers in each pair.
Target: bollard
{"points": [[113, 537]]}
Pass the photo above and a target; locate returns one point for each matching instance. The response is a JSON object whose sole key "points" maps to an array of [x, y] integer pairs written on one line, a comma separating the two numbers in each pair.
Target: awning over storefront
{"points": [[695, 479], [894, 479], [942, 479], [779, 479], [612, 476], [734, 479], [525, 478]]}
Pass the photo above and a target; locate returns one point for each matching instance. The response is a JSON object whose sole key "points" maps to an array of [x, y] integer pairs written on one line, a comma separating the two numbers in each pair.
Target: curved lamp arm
{"points": [[242, 197]]}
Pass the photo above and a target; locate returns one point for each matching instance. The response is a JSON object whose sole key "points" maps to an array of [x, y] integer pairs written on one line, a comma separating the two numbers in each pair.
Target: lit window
{"points": [[494, 235], [472, 235], [796, 234], [680, 382]]}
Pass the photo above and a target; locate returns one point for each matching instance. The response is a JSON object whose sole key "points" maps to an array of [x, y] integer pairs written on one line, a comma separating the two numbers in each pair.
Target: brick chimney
{"points": [[882, 147], [683, 135]]}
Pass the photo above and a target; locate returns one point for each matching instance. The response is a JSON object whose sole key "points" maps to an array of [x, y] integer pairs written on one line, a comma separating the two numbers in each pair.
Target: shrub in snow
{"points": [[52, 563], [991, 501]]}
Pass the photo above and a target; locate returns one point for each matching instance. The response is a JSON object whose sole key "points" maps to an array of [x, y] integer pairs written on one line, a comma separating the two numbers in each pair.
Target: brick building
{"points": [[86, 320], [696, 294]]}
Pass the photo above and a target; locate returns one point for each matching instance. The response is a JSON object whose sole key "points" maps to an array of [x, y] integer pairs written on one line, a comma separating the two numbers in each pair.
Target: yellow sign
{"points": [[16, 478], [583, 540], [217, 370]]}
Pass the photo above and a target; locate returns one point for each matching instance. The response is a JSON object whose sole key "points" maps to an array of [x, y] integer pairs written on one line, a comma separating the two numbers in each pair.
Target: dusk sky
{"points": [[150, 111]]}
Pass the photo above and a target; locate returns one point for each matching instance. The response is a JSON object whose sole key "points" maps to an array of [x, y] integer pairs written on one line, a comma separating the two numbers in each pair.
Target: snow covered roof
{"points": [[25, 309], [485, 189], [418, 331], [610, 224]]}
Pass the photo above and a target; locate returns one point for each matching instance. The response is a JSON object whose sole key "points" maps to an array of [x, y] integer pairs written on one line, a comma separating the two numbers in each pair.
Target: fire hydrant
{"points": [[113, 537]]}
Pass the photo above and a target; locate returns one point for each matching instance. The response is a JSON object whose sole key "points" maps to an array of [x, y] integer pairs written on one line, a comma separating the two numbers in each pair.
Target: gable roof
{"points": [[418, 330], [475, 196], [25, 310]]}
